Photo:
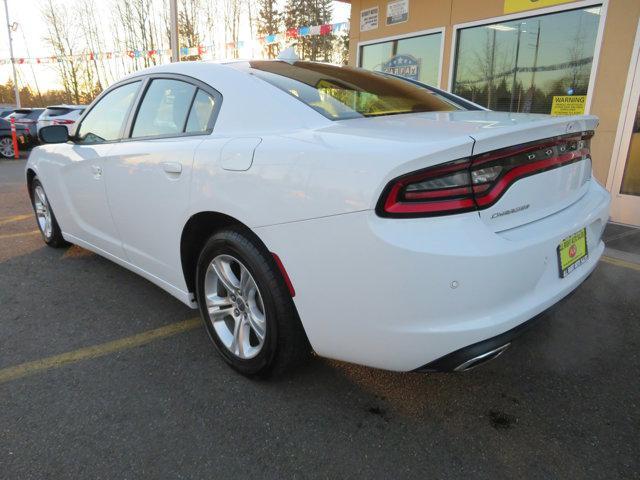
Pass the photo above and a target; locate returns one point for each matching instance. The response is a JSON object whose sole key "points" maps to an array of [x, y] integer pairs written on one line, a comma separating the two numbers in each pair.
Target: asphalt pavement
{"points": [[152, 399]]}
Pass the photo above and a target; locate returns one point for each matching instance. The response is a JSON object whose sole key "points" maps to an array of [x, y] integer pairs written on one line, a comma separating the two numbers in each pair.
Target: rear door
{"points": [[148, 175]]}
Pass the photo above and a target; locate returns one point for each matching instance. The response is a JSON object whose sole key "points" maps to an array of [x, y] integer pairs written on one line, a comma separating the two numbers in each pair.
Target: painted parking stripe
{"points": [[620, 263], [19, 234], [95, 351], [15, 218]]}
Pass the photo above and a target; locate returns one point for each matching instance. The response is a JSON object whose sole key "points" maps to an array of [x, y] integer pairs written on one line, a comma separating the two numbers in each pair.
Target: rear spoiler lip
{"points": [[551, 127]]}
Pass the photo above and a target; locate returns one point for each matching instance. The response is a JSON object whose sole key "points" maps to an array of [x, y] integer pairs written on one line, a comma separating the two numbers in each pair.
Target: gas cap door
{"points": [[237, 154]]}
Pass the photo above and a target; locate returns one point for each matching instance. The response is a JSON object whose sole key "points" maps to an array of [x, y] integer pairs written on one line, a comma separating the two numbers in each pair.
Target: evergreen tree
{"points": [[306, 13], [269, 23]]}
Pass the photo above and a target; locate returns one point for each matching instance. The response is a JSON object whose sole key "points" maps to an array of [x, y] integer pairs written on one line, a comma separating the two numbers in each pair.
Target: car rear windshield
{"points": [[57, 111], [341, 93], [27, 114]]}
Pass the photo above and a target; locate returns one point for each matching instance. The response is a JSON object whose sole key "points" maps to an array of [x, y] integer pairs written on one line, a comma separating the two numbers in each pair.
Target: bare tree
{"points": [[232, 12], [62, 36]]}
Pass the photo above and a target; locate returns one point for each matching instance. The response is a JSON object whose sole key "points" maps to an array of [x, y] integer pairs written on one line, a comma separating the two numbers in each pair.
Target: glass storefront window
{"points": [[521, 65], [631, 179], [417, 58]]}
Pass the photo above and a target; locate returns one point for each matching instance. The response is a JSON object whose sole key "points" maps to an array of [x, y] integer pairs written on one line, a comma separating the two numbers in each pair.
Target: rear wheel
{"points": [[246, 306], [47, 222], [6, 147]]}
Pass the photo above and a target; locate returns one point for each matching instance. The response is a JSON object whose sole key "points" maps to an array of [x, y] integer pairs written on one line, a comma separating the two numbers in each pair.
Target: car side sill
{"points": [[185, 297]]}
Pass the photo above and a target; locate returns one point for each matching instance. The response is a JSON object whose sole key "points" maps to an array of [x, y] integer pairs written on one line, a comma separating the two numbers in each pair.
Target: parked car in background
{"points": [[5, 112], [27, 117], [26, 138], [66, 115]]}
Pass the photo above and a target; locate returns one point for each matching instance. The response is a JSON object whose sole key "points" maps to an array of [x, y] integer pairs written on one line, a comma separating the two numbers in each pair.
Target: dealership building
{"points": [[556, 57]]}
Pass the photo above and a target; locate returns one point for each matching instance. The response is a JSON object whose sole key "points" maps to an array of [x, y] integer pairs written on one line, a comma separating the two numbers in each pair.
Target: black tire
{"points": [[54, 238], [285, 344]]}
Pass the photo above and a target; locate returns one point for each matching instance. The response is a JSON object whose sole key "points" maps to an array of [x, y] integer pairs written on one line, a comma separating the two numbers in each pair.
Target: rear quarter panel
{"points": [[309, 174]]}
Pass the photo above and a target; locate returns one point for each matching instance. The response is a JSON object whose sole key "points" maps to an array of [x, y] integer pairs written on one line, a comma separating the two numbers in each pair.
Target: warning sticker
{"points": [[568, 105]]}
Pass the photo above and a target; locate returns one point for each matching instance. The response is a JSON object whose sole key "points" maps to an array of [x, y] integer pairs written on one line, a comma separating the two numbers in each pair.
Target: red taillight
{"points": [[477, 183], [63, 122], [437, 190]]}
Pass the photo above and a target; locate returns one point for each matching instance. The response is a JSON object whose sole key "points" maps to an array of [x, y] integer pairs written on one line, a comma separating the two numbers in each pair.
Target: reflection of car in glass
{"points": [[24, 137], [66, 115], [299, 204]]}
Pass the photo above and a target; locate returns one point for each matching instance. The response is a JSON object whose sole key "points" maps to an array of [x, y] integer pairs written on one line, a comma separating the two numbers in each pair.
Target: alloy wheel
{"points": [[43, 213], [235, 307], [6, 147]]}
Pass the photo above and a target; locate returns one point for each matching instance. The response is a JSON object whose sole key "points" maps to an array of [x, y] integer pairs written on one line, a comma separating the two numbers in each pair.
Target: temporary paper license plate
{"points": [[572, 252]]}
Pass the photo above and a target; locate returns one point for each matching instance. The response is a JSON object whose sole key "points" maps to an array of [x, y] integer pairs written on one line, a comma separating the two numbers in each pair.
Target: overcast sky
{"points": [[28, 38]]}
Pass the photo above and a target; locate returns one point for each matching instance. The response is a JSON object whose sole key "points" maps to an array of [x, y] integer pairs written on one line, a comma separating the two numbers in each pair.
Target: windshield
{"points": [[341, 93]]}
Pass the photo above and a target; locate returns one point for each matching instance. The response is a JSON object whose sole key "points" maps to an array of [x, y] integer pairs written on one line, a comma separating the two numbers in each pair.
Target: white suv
{"points": [[66, 115]]}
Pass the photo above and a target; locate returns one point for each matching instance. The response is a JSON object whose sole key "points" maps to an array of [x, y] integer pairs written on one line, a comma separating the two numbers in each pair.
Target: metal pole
{"points": [[515, 68], [175, 44], [13, 63]]}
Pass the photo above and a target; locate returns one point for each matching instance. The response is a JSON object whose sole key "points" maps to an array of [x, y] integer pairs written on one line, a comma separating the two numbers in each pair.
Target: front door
{"points": [[625, 185], [84, 170]]}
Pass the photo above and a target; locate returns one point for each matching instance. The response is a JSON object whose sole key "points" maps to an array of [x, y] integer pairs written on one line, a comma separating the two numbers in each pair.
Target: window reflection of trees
{"points": [[505, 69]]}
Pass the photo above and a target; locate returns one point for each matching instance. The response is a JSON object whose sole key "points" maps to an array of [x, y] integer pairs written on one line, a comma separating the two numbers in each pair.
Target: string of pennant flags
{"points": [[287, 36]]}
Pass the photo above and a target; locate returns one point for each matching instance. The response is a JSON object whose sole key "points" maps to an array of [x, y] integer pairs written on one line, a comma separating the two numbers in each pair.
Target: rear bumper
{"points": [[483, 351], [400, 294]]}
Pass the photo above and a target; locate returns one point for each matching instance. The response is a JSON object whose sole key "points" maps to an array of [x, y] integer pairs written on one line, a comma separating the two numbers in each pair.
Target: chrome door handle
{"points": [[172, 167], [97, 171]]}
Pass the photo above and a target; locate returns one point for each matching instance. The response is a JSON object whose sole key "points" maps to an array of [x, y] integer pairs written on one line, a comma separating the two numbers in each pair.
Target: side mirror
{"points": [[54, 134]]}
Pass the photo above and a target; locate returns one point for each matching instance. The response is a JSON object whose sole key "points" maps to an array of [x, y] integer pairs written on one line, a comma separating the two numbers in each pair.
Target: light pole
{"points": [[173, 17], [13, 63]]}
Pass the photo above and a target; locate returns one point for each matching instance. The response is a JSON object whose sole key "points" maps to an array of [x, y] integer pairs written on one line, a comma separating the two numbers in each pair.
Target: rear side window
{"points": [[164, 109], [105, 120], [201, 113]]}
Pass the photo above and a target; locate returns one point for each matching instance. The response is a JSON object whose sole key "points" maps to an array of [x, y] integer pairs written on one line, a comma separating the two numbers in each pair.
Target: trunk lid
{"points": [[526, 199], [542, 193]]}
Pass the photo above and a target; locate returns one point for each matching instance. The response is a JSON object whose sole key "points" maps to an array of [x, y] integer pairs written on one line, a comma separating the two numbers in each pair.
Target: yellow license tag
{"points": [[572, 252]]}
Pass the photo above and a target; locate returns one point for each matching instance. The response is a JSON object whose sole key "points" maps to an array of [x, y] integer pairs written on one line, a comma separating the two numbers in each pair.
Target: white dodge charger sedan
{"points": [[306, 206]]}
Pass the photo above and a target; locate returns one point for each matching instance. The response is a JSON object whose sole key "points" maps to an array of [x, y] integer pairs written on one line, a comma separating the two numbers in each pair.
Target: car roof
{"points": [[74, 107]]}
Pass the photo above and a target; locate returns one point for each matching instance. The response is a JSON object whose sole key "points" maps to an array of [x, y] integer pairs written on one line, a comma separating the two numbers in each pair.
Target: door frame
{"points": [[621, 204]]}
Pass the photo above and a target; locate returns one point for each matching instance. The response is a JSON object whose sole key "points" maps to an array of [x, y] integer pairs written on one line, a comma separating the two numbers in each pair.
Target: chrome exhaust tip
{"points": [[482, 358]]}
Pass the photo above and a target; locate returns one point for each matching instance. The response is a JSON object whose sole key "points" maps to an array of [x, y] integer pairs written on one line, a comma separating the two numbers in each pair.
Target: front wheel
{"points": [[246, 305], [47, 222]]}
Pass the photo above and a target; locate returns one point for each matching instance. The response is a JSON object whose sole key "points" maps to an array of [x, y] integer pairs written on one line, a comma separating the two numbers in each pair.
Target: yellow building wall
{"points": [[621, 21]]}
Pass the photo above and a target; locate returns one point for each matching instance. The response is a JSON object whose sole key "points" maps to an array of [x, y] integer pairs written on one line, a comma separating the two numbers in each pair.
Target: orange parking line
{"points": [[19, 234], [15, 218]]}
